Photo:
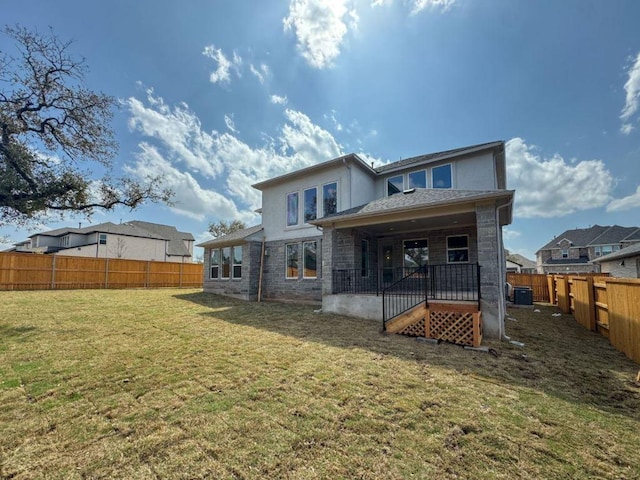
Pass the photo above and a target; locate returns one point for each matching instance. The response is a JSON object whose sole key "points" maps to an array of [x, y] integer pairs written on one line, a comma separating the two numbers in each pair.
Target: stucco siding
{"points": [[122, 246]]}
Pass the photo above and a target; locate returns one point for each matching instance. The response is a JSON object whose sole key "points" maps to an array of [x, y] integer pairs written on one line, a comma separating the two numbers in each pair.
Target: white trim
{"points": [[286, 261], [426, 178], [217, 277], [286, 210], [304, 213], [233, 264], [386, 184], [221, 274], [433, 185], [321, 209]]}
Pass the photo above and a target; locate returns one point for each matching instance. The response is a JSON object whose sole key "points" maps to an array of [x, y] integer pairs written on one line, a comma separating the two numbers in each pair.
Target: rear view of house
{"points": [[377, 242]]}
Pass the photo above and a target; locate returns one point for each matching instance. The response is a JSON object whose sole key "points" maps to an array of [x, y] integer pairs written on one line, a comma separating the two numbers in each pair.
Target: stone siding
{"points": [[245, 288]]}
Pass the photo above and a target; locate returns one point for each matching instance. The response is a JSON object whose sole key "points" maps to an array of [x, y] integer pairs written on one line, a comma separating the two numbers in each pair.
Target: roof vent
{"points": [[408, 191]]}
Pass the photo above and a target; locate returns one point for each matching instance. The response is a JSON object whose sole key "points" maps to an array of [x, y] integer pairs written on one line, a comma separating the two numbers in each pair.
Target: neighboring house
{"points": [[133, 240], [624, 263], [517, 263], [574, 251], [340, 232]]}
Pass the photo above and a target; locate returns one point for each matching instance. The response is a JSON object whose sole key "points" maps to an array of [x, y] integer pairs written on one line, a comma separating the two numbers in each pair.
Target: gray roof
{"points": [[434, 157], [595, 235], [235, 237], [521, 260], [176, 238], [630, 251], [633, 237], [419, 197]]}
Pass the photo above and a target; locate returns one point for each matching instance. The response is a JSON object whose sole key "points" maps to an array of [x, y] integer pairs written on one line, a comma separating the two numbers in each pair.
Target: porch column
{"points": [[491, 281], [328, 236]]}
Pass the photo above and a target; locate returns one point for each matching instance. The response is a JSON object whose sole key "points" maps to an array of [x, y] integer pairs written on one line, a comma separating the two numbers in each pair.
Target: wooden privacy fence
{"points": [[536, 281], [610, 306], [24, 271]]}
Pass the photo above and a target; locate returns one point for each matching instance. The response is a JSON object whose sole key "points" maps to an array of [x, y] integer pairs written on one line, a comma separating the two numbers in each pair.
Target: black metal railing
{"points": [[367, 280], [403, 295], [433, 282]]}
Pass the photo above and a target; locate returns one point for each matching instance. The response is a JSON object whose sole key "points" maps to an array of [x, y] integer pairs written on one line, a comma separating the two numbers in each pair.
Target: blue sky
{"points": [[217, 95]]}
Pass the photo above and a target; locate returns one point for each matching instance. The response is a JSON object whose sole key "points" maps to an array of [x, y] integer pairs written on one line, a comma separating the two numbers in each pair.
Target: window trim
{"points": [[563, 254], [217, 265], [286, 210], [337, 197], [304, 205], [286, 261], [304, 260], [434, 168], [467, 248], [233, 264], [100, 237]]}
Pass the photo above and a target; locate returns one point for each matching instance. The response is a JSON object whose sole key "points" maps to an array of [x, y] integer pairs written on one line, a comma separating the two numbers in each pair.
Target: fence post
{"points": [[181, 269], [592, 304], [53, 272], [106, 272], [146, 279]]}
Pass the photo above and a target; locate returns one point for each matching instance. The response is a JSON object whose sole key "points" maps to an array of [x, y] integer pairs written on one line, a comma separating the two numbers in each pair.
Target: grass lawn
{"points": [[181, 384]]}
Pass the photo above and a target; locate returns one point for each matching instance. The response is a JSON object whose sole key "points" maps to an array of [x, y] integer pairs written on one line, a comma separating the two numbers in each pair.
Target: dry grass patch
{"points": [[181, 384]]}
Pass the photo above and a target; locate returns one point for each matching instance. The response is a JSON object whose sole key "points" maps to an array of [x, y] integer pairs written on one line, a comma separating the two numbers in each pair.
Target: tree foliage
{"points": [[52, 129], [220, 228]]}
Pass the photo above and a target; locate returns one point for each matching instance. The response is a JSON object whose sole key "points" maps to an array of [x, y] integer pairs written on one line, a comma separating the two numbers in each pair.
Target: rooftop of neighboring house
{"points": [[595, 235], [497, 146], [521, 260], [134, 228], [231, 238], [630, 251]]}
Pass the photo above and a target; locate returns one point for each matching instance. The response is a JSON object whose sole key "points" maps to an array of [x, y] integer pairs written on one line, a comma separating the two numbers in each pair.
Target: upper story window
{"points": [[441, 176], [102, 239], [65, 241], [395, 185], [601, 250], [292, 209], [310, 204], [330, 198], [565, 253], [458, 249], [418, 179]]}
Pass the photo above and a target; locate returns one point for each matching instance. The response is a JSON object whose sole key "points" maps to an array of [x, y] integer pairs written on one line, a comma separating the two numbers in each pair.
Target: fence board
{"points": [[624, 316], [23, 271], [537, 282], [581, 292]]}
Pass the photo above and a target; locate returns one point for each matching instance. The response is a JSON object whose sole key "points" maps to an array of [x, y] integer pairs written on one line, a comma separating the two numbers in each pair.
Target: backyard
{"points": [[174, 383]]}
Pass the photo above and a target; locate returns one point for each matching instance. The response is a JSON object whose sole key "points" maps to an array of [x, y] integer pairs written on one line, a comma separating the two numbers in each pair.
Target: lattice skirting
{"points": [[463, 328], [415, 330]]}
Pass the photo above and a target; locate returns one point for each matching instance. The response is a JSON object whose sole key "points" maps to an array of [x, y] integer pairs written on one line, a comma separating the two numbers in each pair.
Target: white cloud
{"points": [[626, 203], [509, 234], [320, 28], [278, 100], [632, 99], [551, 187], [261, 73], [443, 5], [230, 124], [222, 74], [174, 139]]}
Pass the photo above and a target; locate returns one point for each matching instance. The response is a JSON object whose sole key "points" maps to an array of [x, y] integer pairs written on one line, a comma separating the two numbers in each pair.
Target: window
{"points": [[102, 239], [65, 241], [237, 262], [309, 259], [226, 262], [418, 179], [330, 198], [416, 254], [458, 249], [565, 253], [310, 204], [215, 263], [364, 258], [292, 209], [394, 185], [441, 176], [292, 260]]}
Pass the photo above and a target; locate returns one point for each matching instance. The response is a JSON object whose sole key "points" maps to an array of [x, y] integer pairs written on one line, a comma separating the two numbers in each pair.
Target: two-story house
{"points": [[574, 251], [346, 234], [134, 240]]}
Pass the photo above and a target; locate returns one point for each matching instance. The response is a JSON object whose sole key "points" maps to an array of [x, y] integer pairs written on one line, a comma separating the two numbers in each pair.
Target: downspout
{"points": [[261, 270], [344, 161]]}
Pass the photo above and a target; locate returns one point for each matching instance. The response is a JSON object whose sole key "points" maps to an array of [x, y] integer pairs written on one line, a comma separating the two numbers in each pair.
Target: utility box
{"points": [[522, 296]]}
